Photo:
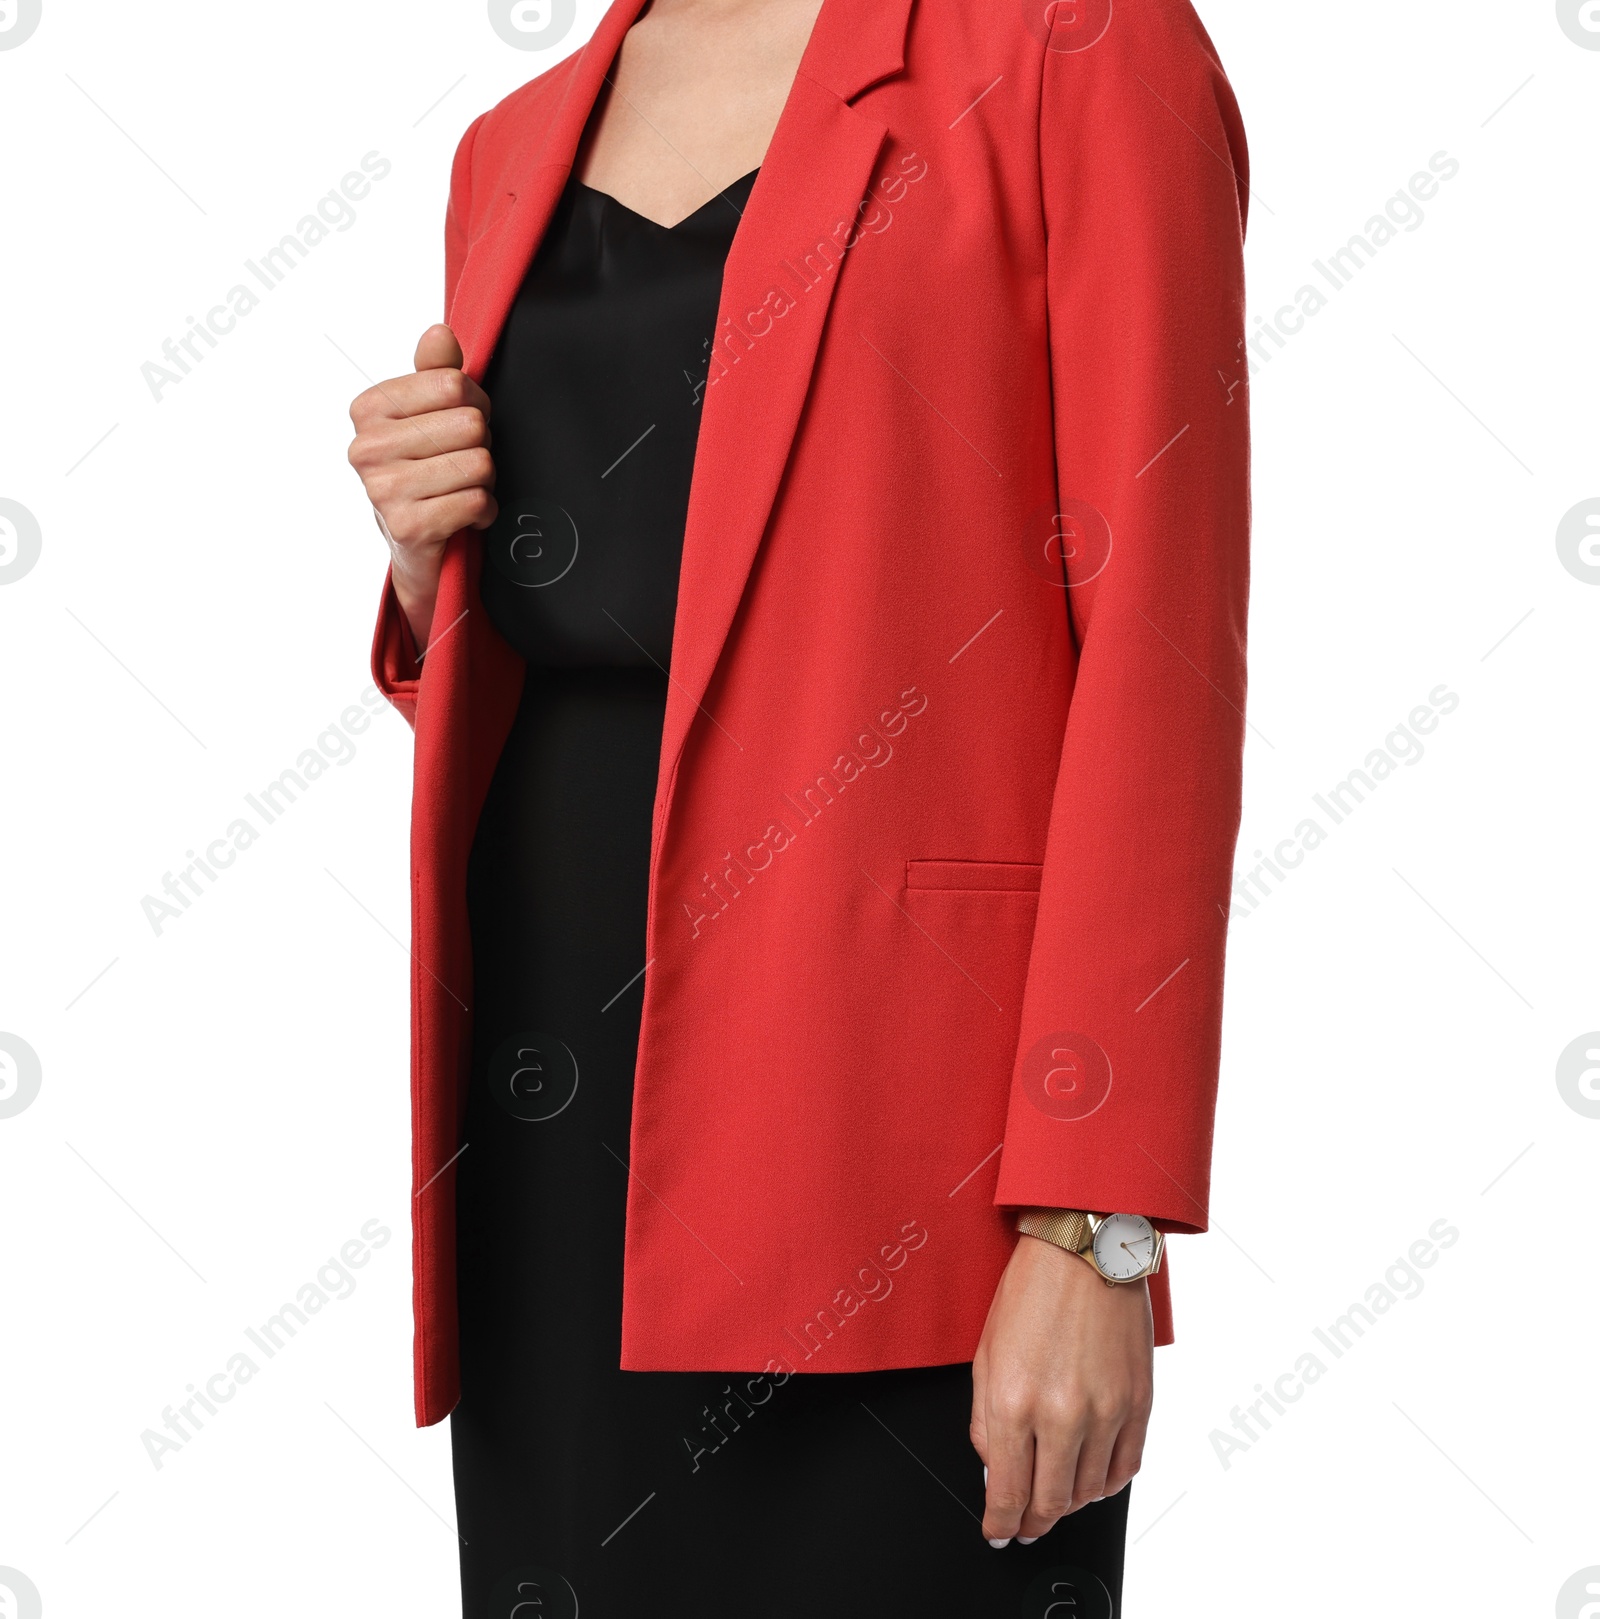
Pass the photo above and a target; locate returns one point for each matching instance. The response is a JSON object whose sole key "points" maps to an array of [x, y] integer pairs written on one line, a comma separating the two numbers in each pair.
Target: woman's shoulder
{"points": [[1088, 39]]}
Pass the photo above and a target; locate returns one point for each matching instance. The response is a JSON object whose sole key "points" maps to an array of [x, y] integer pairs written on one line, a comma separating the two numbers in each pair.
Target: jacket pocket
{"points": [[980, 915], [983, 876]]}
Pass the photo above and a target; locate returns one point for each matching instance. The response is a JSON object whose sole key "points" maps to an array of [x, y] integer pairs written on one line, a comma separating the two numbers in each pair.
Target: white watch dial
{"points": [[1124, 1246]]}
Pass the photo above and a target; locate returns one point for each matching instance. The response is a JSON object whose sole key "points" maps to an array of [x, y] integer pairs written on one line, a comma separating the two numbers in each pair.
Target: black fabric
{"points": [[580, 1488]]}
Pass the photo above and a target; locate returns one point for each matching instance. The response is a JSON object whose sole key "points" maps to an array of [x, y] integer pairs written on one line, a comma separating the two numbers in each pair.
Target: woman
{"points": [[818, 579]]}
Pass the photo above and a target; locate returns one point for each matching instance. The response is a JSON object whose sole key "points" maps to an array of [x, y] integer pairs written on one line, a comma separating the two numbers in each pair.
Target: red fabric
{"points": [[942, 850]]}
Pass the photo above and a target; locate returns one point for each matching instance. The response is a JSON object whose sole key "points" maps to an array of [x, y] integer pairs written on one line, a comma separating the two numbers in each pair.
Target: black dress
{"points": [[581, 1488]]}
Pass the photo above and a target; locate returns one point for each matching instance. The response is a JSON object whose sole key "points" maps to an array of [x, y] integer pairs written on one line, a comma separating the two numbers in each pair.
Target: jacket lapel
{"points": [[800, 215], [512, 220], [774, 304]]}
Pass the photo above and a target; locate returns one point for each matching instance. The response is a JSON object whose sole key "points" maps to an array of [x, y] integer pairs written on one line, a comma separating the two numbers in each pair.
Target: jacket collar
{"points": [[857, 44]]}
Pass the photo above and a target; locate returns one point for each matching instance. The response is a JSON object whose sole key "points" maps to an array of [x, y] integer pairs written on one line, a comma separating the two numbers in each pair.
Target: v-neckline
{"points": [[715, 197]]}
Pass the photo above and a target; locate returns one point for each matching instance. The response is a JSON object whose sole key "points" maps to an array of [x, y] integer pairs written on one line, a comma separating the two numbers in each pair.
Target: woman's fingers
{"points": [[437, 347], [419, 394], [415, 438], [1009, 1430], [978, 1428], [396, 484], [1044, 1467], [422, 450], [1088, 1482], [432, 522], [1128, 1453], [1080, 1459], [1056, 1460]]}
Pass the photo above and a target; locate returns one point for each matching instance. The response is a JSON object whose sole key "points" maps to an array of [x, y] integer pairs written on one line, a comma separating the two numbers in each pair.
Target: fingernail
{"points": [[986, 1475], [998, 1544], [1026, 1540]]}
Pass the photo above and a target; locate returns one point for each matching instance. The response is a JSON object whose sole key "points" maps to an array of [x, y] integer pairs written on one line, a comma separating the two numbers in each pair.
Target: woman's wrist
{"points": [[416, 603]]}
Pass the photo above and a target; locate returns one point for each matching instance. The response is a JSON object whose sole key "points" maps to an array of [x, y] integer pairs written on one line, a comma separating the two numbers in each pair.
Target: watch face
{"points": [[1124, 1246]]}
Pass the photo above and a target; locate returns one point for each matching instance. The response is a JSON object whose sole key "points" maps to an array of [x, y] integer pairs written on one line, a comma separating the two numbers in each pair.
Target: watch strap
{"points": [[1066, 1228]]}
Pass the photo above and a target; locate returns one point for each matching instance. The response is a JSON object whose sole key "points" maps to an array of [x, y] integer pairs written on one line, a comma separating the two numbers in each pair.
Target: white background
{"points": [[224, 1105]]}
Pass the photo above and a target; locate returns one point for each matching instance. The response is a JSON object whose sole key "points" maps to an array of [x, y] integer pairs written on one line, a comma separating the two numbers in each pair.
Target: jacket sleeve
{"points": [[396, 666], [1144, 184]]}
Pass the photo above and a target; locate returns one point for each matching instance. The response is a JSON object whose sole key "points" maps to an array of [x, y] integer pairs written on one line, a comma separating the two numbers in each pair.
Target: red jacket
{"points": [[942, 845]]}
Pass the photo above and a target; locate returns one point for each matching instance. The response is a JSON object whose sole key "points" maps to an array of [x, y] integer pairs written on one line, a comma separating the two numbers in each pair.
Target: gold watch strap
{"points": [[1066, 1228]]}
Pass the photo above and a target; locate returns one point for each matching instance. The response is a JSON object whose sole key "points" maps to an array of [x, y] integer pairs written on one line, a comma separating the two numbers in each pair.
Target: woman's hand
{"points": [[1061, 1388], [422, 449]]}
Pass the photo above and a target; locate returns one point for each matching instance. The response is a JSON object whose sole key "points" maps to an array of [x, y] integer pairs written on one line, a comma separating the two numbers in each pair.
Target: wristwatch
{"points": [[1121, 1247]]}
